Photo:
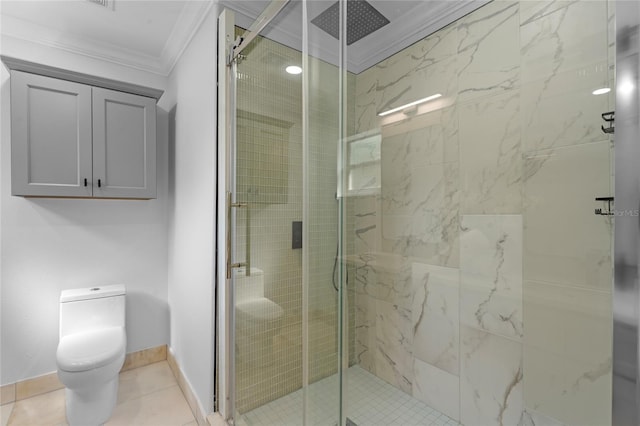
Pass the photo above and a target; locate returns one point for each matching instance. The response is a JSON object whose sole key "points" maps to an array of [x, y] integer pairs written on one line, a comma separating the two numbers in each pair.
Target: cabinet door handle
{"points": [[99, 183], [85, 181]]}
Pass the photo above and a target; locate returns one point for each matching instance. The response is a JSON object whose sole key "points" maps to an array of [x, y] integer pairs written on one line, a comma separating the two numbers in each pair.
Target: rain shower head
{"points": [[362, 20]]}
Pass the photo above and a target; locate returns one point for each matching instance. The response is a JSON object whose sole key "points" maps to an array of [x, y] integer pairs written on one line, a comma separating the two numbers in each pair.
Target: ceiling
{"points": [[143, 34], [411, 20], [151, 34]]}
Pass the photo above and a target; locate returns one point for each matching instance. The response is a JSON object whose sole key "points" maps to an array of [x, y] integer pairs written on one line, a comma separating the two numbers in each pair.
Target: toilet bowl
{"points": [[91, 351], [258, 319]]}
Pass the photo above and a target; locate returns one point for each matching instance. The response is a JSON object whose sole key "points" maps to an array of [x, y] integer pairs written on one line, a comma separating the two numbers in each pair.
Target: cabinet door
{"points": [[50, 136], [124, 145]]}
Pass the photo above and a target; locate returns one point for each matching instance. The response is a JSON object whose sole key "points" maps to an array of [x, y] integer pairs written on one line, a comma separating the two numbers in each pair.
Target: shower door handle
{"points": [[230, 264]]}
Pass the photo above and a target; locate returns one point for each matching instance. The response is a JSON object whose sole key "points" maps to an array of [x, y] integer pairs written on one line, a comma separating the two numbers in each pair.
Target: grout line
{"points": [[8, 416], [156, 390]]}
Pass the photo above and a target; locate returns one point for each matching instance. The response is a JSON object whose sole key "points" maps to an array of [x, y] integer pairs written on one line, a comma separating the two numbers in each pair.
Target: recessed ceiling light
{"points": [[601, 91], [293, 69]]}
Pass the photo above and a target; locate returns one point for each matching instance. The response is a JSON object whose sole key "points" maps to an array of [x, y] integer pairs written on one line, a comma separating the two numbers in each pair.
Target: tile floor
{"points": [[370, 401], [150, 395], [147, 395]]}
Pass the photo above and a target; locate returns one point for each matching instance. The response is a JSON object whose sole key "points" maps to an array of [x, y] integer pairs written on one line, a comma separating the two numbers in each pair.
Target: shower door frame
{"points": [[626, 323], [223, 360]]}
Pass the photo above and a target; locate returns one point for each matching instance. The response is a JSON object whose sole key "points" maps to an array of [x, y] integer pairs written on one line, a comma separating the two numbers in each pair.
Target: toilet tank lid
{"points": [[96, 292]]}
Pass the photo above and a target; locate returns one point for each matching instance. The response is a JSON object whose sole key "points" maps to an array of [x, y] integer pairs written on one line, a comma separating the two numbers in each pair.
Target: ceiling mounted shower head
{"points": [[362, 20]]}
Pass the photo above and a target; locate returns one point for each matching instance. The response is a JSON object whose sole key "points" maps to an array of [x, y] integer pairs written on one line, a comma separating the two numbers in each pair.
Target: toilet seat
{"points": [[90, 350], [260, 309]]}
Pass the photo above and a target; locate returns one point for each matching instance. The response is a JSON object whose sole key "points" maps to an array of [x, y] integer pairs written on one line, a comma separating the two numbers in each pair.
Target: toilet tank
{"points": [[248, 287], [83, 309]]}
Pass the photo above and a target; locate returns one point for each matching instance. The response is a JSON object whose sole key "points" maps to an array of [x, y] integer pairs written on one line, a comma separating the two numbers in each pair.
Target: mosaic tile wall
{"points": [[269, 135], [270, 178], [483, 277]]}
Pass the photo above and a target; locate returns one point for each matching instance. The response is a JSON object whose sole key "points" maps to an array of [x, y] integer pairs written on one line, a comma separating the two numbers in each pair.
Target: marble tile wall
{"points": [[567, 162], [482, 276], [491, 274]]}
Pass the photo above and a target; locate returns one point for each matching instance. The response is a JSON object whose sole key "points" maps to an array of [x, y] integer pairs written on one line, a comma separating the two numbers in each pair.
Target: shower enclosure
{"points": [[415, 225]]}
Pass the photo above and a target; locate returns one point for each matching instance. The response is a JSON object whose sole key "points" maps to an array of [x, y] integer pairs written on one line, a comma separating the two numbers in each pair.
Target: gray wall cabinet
{"points": [[70, 139]]}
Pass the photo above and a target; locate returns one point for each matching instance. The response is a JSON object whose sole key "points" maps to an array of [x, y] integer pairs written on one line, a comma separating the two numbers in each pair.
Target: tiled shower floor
{"points": [[370, 401]]}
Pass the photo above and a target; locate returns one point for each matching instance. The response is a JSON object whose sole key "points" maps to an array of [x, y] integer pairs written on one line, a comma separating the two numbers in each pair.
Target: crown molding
{"points": [[361, 55], [189, 21], [439, 16], [416, 23], [97, 49]]}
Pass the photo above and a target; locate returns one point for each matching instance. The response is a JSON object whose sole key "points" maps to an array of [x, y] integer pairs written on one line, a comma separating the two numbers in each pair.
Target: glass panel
{"points": [[452, 269], [268, 300], [325, 289], [287, 153], [481, 276], [626, 297]]}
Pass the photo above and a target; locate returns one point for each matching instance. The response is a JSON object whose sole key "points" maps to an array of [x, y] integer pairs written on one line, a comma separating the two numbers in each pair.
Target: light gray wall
{"points": [[191, 102], [162, 249], [48, 245]]}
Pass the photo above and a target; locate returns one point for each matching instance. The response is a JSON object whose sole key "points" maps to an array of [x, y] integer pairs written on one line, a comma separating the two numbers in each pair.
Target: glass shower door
{"points": [[268, 196], [482, 277], [283, 214], [450, 268]]}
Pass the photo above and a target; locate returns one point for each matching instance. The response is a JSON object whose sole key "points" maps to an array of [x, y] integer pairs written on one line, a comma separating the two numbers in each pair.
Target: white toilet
{"points": [[258, 319], [91, 351]]}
